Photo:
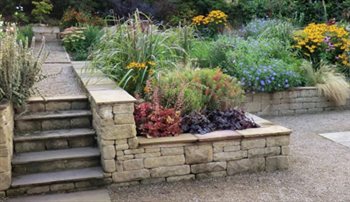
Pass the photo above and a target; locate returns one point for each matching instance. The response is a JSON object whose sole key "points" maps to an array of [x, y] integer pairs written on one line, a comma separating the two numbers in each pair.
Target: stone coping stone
{"points": [[101, 89], [274, 130]]}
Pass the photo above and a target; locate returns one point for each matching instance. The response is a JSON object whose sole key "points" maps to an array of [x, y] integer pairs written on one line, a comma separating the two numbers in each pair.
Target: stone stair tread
{"points": [[55, 114], [58, 176], [51, 155], [58, 98], [54, 134]]}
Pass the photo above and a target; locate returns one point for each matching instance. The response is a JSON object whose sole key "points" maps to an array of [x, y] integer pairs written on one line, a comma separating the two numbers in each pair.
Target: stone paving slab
{"points": [[342, 138], [84, 196]]}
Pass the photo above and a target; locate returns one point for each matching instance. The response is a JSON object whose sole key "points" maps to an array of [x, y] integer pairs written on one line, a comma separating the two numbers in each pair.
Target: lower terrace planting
{"points": [[130, 159]]}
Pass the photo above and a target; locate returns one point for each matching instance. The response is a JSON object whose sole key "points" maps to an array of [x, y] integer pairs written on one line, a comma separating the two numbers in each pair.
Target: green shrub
{"points": [[20, 68], [199, 89], [80, 41], [41, 9], [139, 42], [25, 33]]}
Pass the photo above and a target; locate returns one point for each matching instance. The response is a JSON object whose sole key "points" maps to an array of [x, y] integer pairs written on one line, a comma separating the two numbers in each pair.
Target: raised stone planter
{"points": [[6, 146], [129, 159], [295, 101]]}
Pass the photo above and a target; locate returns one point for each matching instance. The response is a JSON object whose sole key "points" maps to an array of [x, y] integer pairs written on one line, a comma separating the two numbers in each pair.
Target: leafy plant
{"points": [[330, 83], [25, 33], [212, 23], [20, 68], [202, 89], [138, 41], [154, 120], [41, 9], [79, 41], [74, 17], [208, 121], [325, 42]]}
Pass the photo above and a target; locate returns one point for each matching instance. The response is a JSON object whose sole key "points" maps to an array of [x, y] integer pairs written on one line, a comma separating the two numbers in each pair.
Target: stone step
{"points": [[54, 139], [41, 121], [68, 180], [46, 104], [54, 115], [55, 160]]}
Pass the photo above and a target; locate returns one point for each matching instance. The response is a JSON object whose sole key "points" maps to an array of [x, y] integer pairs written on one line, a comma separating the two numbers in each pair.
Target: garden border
{"points": [[128, 159]]}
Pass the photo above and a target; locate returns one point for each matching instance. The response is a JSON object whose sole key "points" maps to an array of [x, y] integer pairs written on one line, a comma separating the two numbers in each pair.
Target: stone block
{"points": [[180, 178], [134, 151], [261, 152], [36, 107], [211, 174], [208, 167], [81, 142], [168, 151], [277, 163], [29, 146], [28, 125], [5, 179], [119, 166], [108, 165], [105, 112], [124, 119], [133, 143], [198, 154], [147, 155], [125, 157], [55, 124], [118, 132], [108, 152], [123, 108], [81, 122], [155, 162], [57, 106], [170, 171], [152, 149], [38, 189], [76, 105], [277, 141], [253, 143], [106, 142], [245, 165], [232, 148], [134, 164], [56, 144], [223, 144], [126, 176], [121, 147], [285, 150], [121, 141], [229, 156], [62, 187]]}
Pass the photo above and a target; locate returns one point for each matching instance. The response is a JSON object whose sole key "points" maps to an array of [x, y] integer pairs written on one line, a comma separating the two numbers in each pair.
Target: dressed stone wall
{"points": [[296, 101], [129, 159], [6, 146]]}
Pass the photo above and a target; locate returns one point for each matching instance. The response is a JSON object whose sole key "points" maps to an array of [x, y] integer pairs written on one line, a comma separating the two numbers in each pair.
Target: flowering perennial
{"points": [[214, 17], [330, 42]]}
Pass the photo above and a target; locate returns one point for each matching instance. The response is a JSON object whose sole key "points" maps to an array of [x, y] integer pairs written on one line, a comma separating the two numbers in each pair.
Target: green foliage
{"points": [[80, 41], [74, 17], [199, 89], [20, 68], [273, 28], [139, 41], [41, 9], [25, 34]]}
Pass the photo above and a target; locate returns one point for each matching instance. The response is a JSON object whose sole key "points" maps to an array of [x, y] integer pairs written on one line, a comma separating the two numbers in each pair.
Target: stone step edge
{"points": [[58, 98], [54, 115], [58, 176], [55, 155], [54, 134]]}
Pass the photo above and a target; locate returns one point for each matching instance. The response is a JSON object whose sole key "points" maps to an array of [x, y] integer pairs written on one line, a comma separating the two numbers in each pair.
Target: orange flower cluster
{"points": [[214, 17]]}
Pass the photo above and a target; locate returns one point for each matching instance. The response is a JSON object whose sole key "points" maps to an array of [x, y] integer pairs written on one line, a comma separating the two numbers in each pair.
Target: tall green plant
{"points": [[20, 68], [42, 9], [125, 52]]}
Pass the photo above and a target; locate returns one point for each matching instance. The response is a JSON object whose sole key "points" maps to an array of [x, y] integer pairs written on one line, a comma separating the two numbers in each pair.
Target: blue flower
{"points": [[262, 82]]}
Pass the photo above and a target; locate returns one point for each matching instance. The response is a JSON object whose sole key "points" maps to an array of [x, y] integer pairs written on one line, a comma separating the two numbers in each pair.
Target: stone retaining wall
{"points": [[6, 146], [296, 101], [128, 159]]}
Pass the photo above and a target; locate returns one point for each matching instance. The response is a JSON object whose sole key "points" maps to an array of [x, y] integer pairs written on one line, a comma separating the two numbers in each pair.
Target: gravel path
{"points": [[61, 79], [319, 171]]}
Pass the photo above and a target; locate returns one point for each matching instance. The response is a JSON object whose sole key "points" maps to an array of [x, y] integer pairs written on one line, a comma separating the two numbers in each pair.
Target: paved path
{"points": [[84, 196], [342, 138], [60, 77], [319, 171]]}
